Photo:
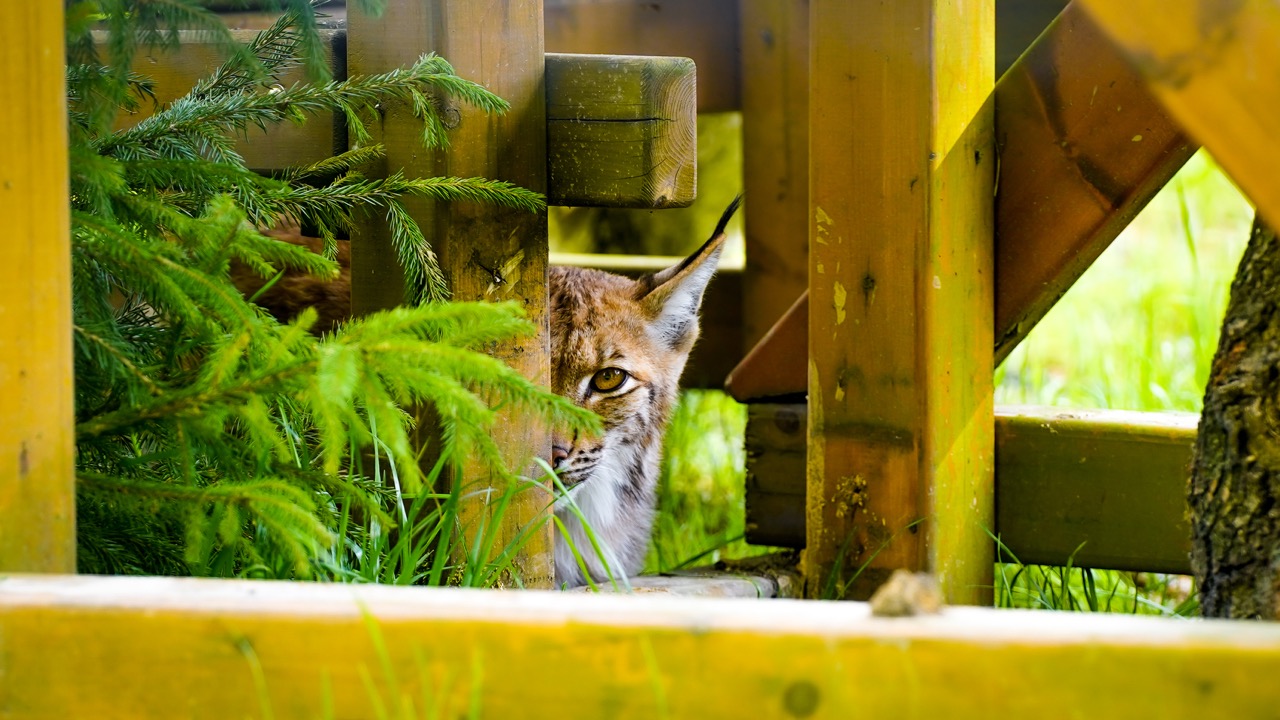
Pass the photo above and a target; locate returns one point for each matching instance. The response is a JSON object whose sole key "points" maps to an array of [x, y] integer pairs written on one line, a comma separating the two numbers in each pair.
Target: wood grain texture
{"points": [[175, 71], [900, 431], [775, 138], [1083, 147], [621, 131], [1215, 65], [1102, 489], [499, 45], [704, 30], [37, 436], [162, 647]]}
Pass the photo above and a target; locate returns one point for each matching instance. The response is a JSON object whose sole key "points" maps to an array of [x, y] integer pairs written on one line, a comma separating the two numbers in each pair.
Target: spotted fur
{"points": [[646, 328]]}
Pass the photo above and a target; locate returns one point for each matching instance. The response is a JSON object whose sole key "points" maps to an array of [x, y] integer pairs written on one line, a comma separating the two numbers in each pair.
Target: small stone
{"points": [[907, 594]]}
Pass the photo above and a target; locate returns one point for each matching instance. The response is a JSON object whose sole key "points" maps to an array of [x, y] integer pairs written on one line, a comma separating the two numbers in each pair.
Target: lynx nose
{"points": [[559, 454]]}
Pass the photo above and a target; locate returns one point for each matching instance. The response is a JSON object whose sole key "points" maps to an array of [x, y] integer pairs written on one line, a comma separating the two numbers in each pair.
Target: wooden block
{"points": [[1216, 67], [500, 46], [281, 146], [1018, 24], [37, 429], [775, 145], [1101, 489], [164, 647], [621, 131], [901, 289], [704, 30]]}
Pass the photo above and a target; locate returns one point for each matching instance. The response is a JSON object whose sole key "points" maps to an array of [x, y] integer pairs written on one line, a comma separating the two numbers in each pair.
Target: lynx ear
{"points": [[671, 298]]}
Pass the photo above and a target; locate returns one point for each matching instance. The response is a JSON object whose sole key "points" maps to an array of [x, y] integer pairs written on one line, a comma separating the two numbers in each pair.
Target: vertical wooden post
{"points": [[900, 271], [37, 439], [500, 45], [775, 127]]}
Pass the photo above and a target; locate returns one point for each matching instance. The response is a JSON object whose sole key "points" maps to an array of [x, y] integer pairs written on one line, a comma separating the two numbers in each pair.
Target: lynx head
{"points": [[618, 347]]}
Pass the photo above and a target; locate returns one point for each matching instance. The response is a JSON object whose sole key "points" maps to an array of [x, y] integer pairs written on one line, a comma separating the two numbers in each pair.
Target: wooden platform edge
{"points": [[91, 647], [1103, 489]]}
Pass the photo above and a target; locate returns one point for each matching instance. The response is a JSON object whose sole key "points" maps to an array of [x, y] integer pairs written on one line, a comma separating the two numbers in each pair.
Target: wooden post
{"points": [[900, 437], [500, 45], [37, 439], [775, 138]]}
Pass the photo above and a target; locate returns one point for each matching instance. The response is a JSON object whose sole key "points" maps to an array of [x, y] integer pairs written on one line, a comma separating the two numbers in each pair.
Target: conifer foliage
{"points": [[212, 439]]}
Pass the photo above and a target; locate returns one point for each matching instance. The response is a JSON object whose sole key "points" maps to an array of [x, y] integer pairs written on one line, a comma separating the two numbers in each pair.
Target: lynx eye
{"points": [[608, 379]]}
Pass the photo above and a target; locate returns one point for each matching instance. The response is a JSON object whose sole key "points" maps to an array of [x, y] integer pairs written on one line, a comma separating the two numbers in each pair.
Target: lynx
{"points": [[618, 347]]}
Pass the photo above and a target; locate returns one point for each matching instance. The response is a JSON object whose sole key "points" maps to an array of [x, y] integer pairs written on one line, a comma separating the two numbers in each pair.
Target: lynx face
{"points": [[618, 347]]}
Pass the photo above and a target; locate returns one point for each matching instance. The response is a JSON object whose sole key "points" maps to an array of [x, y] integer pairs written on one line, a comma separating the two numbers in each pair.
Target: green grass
{"points": [[1137, 332]]}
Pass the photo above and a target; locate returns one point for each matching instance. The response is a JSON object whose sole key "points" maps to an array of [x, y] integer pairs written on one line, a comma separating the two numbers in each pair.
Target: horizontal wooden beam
{"points": [[700, 29], [159, 648], [1099, 488], [1082, 146], [1216, 67], [622, 131]]}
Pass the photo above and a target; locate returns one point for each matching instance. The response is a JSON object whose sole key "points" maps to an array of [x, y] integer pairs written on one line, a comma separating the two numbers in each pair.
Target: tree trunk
{"points": [[1235, 478]]}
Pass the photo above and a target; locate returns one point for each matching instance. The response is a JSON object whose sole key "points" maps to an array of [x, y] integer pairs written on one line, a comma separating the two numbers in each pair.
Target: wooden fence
{"points": [[887, 223]]}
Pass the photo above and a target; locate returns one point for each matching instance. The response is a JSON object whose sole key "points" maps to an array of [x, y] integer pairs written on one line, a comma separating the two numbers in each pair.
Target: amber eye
{"points": [[608, 380]]}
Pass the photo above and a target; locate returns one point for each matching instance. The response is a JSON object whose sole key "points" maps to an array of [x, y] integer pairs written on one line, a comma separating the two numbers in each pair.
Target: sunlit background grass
{"points": [[1137, 332]]}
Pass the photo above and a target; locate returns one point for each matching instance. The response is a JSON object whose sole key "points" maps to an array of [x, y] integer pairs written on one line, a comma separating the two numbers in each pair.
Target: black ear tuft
{"points": [[673, 296]]}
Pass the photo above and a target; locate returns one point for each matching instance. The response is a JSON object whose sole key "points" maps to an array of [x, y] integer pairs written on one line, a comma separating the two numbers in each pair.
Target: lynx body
{"points": [[618, 347]]}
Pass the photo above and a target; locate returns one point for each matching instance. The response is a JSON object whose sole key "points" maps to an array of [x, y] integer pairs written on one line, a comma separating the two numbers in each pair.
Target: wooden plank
{"points": [[775, 145], [37, 420], [1103, 489], [622, 131], [900, 269], [1108, 487], [499, 45], [1214, 67], [774, 369], [176, 70], [775, 483], [91, 647], [1083, 147], [1018, 24], [704, 30]]}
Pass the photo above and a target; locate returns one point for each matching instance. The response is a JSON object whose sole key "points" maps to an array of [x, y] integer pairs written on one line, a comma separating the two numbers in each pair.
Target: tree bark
{"points": [[1235, 478]]}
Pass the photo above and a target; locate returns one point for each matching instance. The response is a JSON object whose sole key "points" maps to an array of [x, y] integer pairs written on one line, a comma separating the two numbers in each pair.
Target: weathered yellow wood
{"points": [[163, 648], [499, 45], [1216, 68], [775, 153], [1102, 489], [900, 424], [176, 70], [622, 131], [37, 440]]}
